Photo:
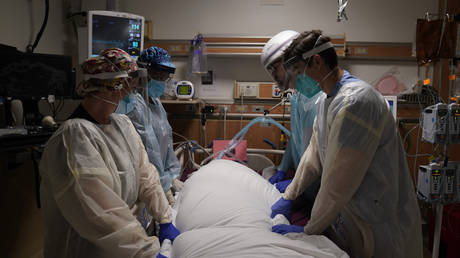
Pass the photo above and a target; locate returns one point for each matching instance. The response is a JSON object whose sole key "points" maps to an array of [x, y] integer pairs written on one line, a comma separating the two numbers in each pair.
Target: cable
{"points": [[180, 135], [61, 105], [191, 141], [31, 48], [242, 108], [407, 134], [417, 139], [404, 127], [225, 122], [415, 155]]}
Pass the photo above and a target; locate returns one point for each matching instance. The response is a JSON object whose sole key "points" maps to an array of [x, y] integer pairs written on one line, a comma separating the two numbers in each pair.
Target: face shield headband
{"points": [[289, 65]]}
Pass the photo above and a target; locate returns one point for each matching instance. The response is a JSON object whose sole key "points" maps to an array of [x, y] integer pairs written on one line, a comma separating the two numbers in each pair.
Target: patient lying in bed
{"points": [[224, 211]]}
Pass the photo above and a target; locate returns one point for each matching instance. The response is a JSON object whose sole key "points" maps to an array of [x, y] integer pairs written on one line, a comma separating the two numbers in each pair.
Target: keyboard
{"points": [[12, 138], [13, 131]]}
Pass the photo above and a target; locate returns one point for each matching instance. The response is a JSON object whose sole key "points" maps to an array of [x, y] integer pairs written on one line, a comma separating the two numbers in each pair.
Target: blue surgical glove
{"points": [[282, 206], [277, 177], [168, 231], [284, 229], [281, 186], [161, 256]]}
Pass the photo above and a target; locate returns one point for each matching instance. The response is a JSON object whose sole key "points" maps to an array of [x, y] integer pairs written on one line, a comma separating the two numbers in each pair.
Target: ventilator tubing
{"points": [[242, 133]]}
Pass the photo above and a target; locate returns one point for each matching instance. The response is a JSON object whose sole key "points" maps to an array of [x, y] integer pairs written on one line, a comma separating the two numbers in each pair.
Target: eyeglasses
{"points": [[160, 75], [292, 65]]}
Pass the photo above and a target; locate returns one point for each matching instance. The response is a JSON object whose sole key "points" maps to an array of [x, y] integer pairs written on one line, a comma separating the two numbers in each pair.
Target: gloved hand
{"points": [[282, 206], [281, 186], [277, 177], [168, 231], [177, 185], [170, 198], [284, 229], [161, 256]]}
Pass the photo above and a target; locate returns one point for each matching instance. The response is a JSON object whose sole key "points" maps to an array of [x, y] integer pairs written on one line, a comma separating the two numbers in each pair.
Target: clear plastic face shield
{"points": [[141, 78], [296, 68], [140, 81], [293, 64], [157, 81], [127, 82], [277, 72], [111, 76]]}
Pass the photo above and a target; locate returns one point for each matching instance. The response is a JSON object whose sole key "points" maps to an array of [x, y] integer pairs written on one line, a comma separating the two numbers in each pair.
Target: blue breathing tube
{"points": [[242, 133]]}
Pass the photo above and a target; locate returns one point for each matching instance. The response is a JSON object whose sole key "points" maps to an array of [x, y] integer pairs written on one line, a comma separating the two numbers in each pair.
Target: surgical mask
{"points": [[307, 86], [126, 105], [105, 100], [156, 88]]}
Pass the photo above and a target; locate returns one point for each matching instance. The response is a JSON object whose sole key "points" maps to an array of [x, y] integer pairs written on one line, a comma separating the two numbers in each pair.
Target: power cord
{"points": [[30, 48]]}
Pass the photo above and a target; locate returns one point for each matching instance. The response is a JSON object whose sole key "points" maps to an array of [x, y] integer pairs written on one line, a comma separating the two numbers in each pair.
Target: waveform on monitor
{"points": [[111, 43]]}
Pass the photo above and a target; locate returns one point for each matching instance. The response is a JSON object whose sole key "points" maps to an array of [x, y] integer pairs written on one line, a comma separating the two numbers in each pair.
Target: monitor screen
{"points": [[184, 89], [393, 104], [112, 29], [33, 76]]}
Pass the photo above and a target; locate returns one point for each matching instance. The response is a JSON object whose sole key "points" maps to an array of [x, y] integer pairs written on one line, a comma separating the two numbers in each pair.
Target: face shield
{"points": [[273, 51], [100, 81], [296, 67], [157, 83], [140, 79]]}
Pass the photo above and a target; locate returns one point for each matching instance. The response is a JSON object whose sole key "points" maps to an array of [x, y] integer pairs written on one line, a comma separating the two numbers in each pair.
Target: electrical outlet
{"points": [[224, 109], [257, 109], [249, 90], [361, 51], [241, 108]]}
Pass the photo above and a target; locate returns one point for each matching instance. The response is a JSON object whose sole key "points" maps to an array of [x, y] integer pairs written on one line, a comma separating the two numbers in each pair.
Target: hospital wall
{"points": [[394, 21]]}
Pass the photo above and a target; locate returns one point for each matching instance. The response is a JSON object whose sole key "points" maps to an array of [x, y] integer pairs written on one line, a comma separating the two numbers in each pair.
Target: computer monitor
{"points": [[30, 77], [107, 29], [34, 76]]}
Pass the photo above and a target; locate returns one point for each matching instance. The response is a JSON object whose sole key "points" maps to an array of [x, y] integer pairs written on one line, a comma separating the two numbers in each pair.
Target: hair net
{"points": [[156, 58], [107, 71]]}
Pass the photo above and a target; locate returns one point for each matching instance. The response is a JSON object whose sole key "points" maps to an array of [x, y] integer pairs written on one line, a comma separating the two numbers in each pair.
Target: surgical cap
{"points": [[107, 71], [156, 58]]}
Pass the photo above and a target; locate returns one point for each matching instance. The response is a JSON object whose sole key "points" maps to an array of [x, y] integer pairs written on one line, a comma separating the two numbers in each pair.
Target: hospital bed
{"points": [[224, 211], [224, 208]]}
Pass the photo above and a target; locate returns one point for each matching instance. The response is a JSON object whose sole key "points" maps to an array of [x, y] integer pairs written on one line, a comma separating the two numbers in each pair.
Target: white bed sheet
{"points": [[224, 211]]}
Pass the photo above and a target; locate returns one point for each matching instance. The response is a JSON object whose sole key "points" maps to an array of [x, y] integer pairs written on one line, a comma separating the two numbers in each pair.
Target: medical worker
{"points": [[150, 119], [303, 111], [366, 191], [94, 169]]}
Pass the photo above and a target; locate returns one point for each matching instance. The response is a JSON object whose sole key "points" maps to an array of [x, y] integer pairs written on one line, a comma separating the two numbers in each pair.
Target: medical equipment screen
{"points": [[119, 32], [184, 89]]}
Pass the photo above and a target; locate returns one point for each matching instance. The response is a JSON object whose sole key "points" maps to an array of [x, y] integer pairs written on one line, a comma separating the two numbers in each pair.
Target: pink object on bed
{"points": [[239, 154]]}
